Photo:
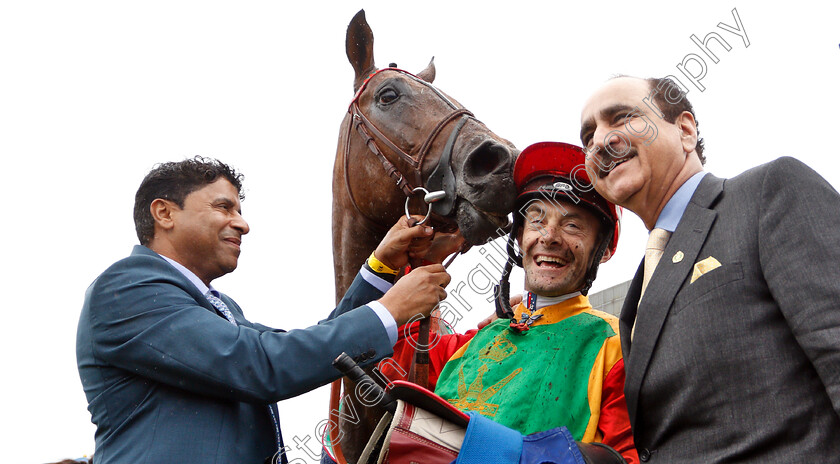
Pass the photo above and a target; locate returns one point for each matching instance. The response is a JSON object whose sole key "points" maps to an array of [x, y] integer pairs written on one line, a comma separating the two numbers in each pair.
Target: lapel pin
{"points": [[678, 256]]}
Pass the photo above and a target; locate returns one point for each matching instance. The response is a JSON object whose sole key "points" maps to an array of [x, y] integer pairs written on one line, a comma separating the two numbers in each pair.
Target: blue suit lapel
{"points": [[666, 281], [182, 281]]}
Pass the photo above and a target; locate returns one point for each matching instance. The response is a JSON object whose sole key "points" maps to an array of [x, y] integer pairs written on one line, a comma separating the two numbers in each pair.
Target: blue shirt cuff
{"points": [[387, 320], [378, 282]]}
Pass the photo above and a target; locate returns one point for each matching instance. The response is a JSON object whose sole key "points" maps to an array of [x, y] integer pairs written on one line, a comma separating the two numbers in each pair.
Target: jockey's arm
{"points": [[614, 423]]}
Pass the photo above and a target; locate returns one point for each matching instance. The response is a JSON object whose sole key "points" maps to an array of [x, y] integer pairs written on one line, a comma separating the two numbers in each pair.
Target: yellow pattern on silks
{"points": [[475, 397], [550, 376]]}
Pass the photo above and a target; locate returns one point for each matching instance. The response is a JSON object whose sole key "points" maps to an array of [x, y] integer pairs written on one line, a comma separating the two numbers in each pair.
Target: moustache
{"points": [[604, 166]]}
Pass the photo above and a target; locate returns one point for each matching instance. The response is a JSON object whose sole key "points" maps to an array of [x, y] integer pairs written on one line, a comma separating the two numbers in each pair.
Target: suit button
{"points": [[357, 359], [644, 455], [371, 353]]}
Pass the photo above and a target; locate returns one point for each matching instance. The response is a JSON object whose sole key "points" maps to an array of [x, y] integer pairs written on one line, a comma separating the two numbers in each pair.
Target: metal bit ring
{"points": [[429, 198]]}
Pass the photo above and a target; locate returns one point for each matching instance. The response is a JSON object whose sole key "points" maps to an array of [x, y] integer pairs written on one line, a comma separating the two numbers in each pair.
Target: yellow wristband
{"points": [[379, 267]]}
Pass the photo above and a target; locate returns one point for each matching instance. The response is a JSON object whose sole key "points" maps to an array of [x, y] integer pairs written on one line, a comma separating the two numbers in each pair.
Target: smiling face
{"points": [[639, 158], [205, 235], [557, 247]]}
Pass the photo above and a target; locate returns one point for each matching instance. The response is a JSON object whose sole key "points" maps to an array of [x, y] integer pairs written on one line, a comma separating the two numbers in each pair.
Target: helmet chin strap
{"points": [[502, 290], [593, 268], [606, 236]]}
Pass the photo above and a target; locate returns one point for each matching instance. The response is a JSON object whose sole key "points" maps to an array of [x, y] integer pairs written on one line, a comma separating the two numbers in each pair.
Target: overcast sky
{"points": [[93, 94]]}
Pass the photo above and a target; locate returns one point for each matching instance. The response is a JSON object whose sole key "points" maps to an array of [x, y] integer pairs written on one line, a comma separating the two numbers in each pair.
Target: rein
{"points": [[442, 178]]}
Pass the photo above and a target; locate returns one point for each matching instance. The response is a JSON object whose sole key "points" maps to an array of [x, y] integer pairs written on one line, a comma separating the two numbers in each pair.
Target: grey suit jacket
{"points": [[169, 380], [743, 364]]}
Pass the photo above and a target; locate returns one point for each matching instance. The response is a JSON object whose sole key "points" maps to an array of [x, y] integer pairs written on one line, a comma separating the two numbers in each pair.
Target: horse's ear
{"points": [[428, 74], [359, 45]]}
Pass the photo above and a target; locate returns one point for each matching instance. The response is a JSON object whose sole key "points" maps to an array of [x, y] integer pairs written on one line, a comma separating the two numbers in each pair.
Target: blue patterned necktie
{"points": [[223, 308]]}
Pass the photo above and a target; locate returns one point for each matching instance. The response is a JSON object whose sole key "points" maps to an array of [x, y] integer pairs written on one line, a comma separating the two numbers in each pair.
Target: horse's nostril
{"points": [[485, 160]]}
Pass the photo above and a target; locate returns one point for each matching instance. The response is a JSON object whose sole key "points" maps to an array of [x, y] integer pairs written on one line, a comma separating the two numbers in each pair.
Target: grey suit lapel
{"points": [[628, 309], [666, 281]]}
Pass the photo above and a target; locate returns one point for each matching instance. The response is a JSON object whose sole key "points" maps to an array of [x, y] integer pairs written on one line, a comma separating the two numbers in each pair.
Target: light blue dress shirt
{"points": [[673, 211]]}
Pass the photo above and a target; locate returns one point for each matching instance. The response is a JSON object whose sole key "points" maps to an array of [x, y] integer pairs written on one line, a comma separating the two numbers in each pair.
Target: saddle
{"points": [[422, 427]]}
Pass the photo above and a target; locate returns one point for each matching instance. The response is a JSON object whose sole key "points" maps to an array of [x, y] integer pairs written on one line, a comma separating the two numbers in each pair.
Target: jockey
{"points": [[552, 360]]}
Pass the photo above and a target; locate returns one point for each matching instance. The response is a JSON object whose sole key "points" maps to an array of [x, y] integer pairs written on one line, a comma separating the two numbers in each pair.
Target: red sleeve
{"points": [[614, 423], [397, 367], [443, 350]]}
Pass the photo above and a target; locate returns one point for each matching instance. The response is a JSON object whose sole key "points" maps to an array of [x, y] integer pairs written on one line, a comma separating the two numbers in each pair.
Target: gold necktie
{"points": [[657, 240]]}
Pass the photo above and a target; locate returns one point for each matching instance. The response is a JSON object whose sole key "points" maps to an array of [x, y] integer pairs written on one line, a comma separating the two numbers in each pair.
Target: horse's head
{"points": [[431, 140], [402, 133]]}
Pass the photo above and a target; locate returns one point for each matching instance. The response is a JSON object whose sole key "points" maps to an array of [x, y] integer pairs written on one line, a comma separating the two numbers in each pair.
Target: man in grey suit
{"points": [[732, 342], [172, 370]]}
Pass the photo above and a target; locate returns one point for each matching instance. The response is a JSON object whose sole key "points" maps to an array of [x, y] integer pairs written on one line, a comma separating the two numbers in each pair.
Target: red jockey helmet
{"points": [[556, 170]]}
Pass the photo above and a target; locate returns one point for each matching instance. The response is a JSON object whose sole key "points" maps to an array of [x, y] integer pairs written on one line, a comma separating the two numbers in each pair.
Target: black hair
{"points": [[672, 105], [173, 181]]}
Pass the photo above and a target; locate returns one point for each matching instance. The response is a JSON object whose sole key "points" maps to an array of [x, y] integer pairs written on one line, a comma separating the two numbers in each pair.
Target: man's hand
{"points": [[487, 320], [418, 292], [444, 245], [514, 300], [403, 242]]}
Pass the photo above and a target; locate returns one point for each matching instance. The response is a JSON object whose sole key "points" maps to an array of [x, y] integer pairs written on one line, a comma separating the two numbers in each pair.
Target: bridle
{"points": [[441, 179], [439, 189]]}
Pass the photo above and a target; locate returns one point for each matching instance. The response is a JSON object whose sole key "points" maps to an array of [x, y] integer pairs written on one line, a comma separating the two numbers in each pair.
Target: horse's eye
{"points": [[388, 96]]}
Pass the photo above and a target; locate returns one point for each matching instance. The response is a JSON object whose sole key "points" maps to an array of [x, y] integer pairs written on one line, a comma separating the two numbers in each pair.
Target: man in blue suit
{"points": [[172, 370]]}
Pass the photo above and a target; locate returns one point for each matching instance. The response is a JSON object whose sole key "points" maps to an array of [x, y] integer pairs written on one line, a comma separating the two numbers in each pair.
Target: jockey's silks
{"points": [[551, 375]]}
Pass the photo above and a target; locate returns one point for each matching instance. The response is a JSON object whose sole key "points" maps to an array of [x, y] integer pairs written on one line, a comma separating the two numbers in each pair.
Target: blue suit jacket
{"points": [[168, 379]]}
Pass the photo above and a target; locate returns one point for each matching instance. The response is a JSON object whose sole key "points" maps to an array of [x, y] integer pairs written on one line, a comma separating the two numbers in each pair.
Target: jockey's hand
{"points": [[404, 242], [444, 245], [514, 300], [484, 323], [418, 292]]}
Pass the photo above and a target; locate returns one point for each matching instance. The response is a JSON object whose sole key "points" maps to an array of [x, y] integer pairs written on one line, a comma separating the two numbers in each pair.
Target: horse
{"points": [[400, 139]]}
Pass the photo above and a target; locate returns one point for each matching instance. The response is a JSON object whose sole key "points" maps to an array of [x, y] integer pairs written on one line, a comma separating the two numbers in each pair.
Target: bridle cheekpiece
{"points": [[442, 179]]}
